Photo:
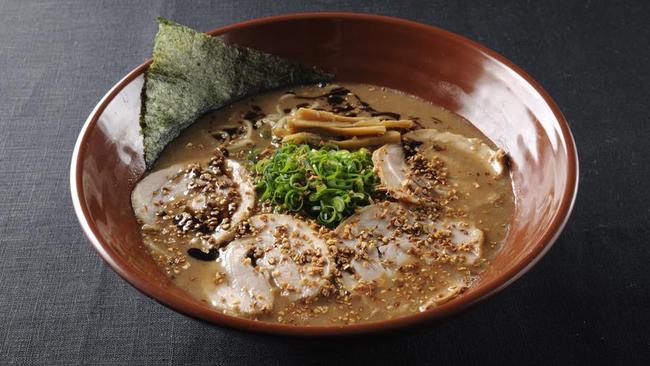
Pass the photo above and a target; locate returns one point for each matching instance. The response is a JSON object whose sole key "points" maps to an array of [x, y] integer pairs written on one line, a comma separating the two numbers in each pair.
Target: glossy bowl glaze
{"points": [[506, 104]]}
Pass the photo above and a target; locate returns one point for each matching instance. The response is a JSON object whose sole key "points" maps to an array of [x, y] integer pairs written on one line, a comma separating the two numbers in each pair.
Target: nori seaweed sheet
{"points": [[193, 73]]}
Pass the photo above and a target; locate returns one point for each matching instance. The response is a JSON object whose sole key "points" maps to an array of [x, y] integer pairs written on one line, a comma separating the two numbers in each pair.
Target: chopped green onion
{"points": [[326, 183]]}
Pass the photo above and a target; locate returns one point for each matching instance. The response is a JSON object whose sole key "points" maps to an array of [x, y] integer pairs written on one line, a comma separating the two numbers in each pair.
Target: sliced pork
{"points": [[241, 286], [394, 174], [207, 200], [283, 257], [294, 255], [156, 189], [494, 161], [384, 238], [436, 166]]}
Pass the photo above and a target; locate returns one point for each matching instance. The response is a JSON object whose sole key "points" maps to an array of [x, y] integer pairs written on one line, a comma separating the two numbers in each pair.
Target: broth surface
{"points": [[480, 200]]}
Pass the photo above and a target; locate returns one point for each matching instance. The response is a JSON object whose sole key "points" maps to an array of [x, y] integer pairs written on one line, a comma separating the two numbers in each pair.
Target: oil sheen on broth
{"points": [[388, 260]]}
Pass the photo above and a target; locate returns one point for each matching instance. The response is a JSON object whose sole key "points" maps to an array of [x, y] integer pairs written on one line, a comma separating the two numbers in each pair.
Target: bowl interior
{"points": [[446, 69]]}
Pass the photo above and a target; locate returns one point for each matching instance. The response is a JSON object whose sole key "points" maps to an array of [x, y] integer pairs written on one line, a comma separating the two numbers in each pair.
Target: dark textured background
{"points": [[587, 301]]}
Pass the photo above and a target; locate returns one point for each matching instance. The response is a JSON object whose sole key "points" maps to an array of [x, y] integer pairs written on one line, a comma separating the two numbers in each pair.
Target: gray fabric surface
{"points": [[587, 301]]}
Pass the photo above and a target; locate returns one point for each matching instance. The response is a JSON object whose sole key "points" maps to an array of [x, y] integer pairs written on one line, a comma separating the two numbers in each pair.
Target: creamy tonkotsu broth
{"points": [[440, 212]]}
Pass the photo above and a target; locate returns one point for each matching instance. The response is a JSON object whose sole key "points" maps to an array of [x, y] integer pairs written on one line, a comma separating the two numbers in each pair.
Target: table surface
{"points": [[587, 301]]}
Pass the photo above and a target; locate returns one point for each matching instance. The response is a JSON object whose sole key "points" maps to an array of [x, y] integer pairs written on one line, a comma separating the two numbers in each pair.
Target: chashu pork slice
{"points": [[376, 251], [384, 237], [459, 155], [285, 257], [463, 159], [397, 177], [291, 251], [179, 182], [241, 287], [393, 172], [148, 194], [494, 161]]}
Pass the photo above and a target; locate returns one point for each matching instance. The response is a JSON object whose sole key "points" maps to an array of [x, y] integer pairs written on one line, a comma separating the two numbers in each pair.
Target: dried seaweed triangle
{"points": [[193, 73]]}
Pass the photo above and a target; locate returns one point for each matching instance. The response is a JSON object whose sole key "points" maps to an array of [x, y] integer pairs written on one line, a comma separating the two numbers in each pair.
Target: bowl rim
{"points": [[192, 309]]}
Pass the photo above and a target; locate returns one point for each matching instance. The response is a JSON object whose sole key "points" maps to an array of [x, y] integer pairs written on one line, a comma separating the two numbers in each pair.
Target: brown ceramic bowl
{"points": [[499, 98]]}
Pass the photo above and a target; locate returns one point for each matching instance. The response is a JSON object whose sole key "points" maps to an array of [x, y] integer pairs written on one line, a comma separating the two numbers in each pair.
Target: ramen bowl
{"points": [[500, 99]]}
